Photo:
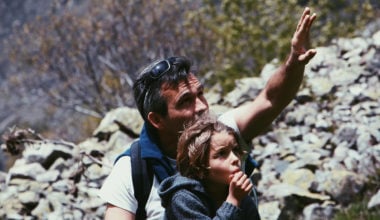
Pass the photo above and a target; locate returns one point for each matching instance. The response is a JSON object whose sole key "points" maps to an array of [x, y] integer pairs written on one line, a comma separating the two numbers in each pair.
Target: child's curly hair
{"points": [[194, 145]]}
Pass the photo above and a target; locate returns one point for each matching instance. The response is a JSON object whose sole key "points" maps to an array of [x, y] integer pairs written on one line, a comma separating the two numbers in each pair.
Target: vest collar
{"points": [[150, 149]]}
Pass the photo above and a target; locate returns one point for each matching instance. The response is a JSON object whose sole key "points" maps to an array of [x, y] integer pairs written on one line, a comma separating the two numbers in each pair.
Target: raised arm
{"points": [[281, 88]]}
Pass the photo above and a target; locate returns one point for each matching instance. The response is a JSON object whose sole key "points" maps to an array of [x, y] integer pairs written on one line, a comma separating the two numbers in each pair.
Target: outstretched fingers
{"points": [[306, 20], [309, 22], [305, 13], [301, 37]]}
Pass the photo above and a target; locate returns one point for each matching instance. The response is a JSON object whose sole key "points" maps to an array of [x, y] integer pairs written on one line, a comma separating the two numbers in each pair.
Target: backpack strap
{"points": [[249, 165], [142, 177]]}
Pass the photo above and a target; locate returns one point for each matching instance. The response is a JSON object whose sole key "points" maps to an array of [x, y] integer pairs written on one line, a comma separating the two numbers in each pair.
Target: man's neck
{"points": [[168, 145]]}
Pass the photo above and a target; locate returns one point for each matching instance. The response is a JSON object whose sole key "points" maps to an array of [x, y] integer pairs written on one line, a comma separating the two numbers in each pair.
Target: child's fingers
{"points": [[244, 182], [247, 185], [236, 176], [241, 180]]}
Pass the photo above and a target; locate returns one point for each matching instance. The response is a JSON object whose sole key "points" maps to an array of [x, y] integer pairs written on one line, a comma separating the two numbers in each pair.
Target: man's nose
{"points": [[201, 105]]}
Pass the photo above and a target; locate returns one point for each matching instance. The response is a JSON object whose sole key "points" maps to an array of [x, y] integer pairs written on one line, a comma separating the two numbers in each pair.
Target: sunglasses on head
{"points": [[160, 68]]}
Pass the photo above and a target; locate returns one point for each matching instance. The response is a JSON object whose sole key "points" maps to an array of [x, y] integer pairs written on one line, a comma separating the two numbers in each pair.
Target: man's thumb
{"points": [[306, 57]]}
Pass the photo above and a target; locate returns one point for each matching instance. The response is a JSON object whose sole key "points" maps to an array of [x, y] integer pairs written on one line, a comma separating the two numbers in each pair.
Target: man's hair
{"points": [[147, 88], [194, 145]]}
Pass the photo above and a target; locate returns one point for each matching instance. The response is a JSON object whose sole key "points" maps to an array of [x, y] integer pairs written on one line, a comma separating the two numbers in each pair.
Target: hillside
{"points": [[64, 64], [320, 155]]}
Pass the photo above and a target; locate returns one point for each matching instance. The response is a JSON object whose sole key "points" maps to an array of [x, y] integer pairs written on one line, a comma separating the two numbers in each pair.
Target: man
{"points": [[167, 95]]}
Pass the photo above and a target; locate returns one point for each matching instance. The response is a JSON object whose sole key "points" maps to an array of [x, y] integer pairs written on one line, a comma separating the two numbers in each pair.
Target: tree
{"points": [[86, 57]]}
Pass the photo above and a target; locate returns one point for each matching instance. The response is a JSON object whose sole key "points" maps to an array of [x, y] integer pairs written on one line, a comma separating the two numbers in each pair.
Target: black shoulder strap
{"points": [[142, 177]]}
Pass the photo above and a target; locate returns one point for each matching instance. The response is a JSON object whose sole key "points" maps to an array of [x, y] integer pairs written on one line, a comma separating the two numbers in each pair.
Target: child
{"points": [[210, 183]]}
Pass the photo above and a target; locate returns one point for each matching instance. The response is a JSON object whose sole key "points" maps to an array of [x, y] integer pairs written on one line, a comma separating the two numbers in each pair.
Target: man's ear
{"points": [[155, 119]]}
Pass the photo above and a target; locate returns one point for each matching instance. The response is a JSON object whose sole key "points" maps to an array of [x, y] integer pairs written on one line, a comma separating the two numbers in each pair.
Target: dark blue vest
{"points": [[152, 153]]}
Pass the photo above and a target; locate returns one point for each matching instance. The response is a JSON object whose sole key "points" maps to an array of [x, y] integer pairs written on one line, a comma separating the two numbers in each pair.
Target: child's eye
{"points": [[238, 151], [222, 153]]}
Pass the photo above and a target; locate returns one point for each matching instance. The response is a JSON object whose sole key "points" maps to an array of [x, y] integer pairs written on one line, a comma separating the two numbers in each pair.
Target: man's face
{"points": [[185, 102]]}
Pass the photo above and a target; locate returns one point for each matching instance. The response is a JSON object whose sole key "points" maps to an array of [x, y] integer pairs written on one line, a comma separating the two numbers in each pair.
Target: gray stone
{"points": [[247, 90], [49, 176], [323, 61], [358, 43], [269, 69], [42, 209], [346, 134], [376, 39], [341, 185], [369, 161], [47, 154], [283, 190], [301, 178], [347, 76], [214, 94], [28, 197], [95, 172], [270, 210], [341, 152], [321, 86], [59, 164], [351, 164], [129, 117], [62, 185], [29, 171], [319, 212], [374, 201]]}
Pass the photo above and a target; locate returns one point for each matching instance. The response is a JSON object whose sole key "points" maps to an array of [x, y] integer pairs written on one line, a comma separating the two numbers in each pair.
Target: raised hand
{"points": [[301, 38]]}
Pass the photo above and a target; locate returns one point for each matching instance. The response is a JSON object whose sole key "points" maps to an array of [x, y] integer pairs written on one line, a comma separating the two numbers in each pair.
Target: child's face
{"points": [[223, 160]]}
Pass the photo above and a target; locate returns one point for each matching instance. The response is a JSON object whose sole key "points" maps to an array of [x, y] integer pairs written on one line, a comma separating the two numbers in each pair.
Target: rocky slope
{"points": [[317, 157]]}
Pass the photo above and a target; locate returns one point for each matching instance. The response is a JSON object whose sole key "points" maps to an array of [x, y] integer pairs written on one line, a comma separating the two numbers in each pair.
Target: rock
{"points": [[369, 162], [29, 197], [28, 171], [374, 201], [321, 86], [341, 152], [49, 176], [346, 136], [346, 45], [128, 117], [376, 39], [47, 154], [301, 178], [42, 209], [270, 210], [247, 89], [285, 190], [214, 95], [316, 211], [62, 186], [343, 186]]}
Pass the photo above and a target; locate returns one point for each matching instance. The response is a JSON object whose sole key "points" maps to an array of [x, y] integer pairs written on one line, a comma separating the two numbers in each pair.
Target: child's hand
{"points": [[240, 186]]}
